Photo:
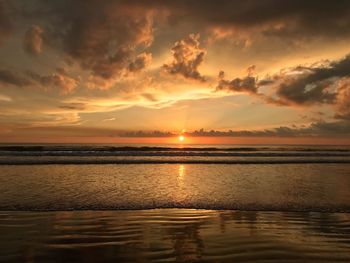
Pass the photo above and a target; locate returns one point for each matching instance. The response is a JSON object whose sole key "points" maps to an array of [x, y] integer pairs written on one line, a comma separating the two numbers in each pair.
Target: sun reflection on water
{"points": [[181, 171]]}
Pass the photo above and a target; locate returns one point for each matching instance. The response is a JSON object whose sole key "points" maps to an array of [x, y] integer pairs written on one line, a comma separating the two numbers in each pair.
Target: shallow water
{"points": [[306, 187], [174, 235], [284, 187]]}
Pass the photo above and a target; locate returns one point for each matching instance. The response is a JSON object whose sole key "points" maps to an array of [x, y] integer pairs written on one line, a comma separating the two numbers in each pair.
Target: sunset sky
{"points": [[263, 71]]}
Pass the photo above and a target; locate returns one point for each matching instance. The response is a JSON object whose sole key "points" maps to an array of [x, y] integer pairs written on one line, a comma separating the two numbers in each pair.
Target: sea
{"points": [[174, 203]]}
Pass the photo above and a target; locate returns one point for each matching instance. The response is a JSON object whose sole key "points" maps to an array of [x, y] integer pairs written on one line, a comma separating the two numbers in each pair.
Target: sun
{"points": [[181, 138]]}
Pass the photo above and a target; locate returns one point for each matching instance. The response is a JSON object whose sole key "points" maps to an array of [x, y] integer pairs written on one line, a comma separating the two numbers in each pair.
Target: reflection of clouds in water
{"points": [[181, 235]]}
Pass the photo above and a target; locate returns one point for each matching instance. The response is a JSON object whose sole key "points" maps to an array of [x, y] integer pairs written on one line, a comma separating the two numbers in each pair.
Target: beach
{"points": [[174, 235], [247, 204], [174, 131]]}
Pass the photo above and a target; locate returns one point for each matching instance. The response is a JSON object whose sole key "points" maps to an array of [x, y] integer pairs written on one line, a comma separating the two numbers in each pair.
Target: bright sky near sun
{"points": [[229, 71]]}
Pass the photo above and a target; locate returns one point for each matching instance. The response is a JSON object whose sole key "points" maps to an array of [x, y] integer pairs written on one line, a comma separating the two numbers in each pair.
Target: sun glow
{"points": [[181, 138]]}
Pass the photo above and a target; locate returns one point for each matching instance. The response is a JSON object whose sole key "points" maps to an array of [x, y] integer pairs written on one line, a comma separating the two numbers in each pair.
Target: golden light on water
{"points": [[181, 171]]}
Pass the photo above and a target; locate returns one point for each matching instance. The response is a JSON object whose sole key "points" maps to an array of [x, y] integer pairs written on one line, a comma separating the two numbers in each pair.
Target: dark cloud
{"points": [[247, 84], [6, 24], [73, 106], [59, 80], [9, 77], [149, 97], [103, 37], [289, 18], [318, 84], [309, 85], [251, 70], [145, 134], [141, 62], [316, 129], [343, 101], [32, 42], [187, 57]]}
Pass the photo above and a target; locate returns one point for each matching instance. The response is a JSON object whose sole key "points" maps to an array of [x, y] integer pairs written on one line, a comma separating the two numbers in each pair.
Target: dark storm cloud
{"points": [[187, 57]]}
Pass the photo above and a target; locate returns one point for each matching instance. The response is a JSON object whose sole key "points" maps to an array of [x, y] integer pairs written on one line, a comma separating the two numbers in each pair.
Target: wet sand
{"points": [[174, 235], [289, 187]]}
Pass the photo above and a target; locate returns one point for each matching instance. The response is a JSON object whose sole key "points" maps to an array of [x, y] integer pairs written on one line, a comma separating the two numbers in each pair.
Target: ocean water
{"points": [[174, 235], [185, 204], [203, 154]]}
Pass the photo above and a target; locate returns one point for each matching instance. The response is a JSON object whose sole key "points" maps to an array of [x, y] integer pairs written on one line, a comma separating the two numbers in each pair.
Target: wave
{"points": [[175, 153], [185, 152], [72, 161], [86, 148], [87, 154], [174, 205]]}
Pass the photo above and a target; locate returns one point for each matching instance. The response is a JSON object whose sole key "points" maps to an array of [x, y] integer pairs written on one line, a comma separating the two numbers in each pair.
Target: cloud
{"points": [[251, 70], [149, 97], [109, 119], [101, 36], [6, 24], [247, 84], [273, 18], [316, 129], [145, 134], [40, 119], [309, 85], [187, 57], [73, 106], [141, 62], [5, 98], [59, 80], [9, 77], [343, 101], [32, 42], [318, 84]]}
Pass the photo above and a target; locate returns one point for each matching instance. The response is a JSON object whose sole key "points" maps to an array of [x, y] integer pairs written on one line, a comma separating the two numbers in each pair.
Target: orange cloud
{"points": [[187, 58]]}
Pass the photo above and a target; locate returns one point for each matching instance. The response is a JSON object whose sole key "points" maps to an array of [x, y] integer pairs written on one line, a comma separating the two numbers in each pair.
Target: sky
{"points": [[137, 71]]}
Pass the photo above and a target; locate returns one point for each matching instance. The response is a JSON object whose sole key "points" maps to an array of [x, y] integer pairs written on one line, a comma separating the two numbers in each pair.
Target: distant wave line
{"points": [[168, 161], [175, 153], [173, 205], [163, 149]]}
